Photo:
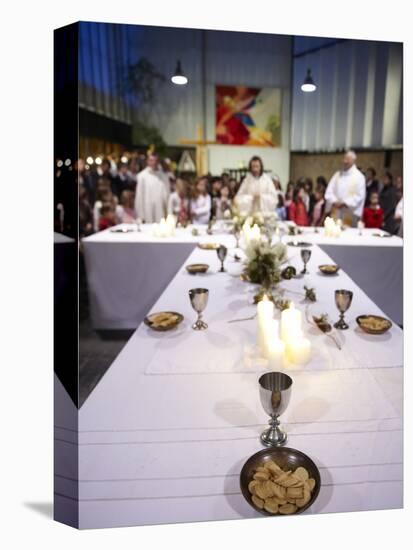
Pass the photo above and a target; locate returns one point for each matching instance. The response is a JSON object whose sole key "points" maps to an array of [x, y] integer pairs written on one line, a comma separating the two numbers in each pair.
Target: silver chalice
{"points": [[343, 302], [275, 392], [222, 254], [305, 256], [199, 300]]}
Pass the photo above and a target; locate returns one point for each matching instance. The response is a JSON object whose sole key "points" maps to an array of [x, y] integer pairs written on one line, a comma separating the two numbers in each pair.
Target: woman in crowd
{"points": [[216, 185], [178, 203], [310, 199], [201, 203], [372, 184], [281, 210], [388, 202], [297, 211], [125, 211], [233, 186], [222, 204], [373, 216], [317, 216], [289, 194]]}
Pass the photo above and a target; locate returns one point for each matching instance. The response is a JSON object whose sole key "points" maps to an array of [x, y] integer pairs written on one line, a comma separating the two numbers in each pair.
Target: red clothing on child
{"points": [[373, 217], [104, 223], [297, 213]]}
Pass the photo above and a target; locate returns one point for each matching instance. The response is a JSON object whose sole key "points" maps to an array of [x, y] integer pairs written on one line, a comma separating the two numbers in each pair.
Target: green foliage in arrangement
{"points": [[263, 263]]}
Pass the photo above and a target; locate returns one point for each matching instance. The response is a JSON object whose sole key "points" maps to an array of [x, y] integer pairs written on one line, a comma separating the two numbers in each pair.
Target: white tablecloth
{"points": [[374, 263], [127, 272], [158, 443]]}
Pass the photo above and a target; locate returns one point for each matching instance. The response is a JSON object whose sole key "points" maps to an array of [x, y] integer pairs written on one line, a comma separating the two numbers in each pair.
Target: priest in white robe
{"points": [[257, 192], [152, 192], [346, 192]]}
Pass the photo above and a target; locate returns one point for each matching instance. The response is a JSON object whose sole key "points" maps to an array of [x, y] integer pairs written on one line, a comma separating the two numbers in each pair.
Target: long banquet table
{"points": [[163, 436], [120, 265]]}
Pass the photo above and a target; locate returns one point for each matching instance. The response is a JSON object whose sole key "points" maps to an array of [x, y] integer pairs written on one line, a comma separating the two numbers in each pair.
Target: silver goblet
{"points": [[222, 254], [343, 302], [199, 300], [275, 392], [237, 235], [305, 256]]}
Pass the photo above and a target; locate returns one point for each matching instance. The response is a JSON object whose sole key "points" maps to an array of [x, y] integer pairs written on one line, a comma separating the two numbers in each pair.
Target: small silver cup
{"points": [[275, 392], [343, 302], [222, 254], [199, 300], [305, 256]]}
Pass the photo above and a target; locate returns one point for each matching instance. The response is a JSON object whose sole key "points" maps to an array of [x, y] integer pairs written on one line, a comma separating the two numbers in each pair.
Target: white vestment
{"points": [[151, 195], [257, 195], [349, 187]]}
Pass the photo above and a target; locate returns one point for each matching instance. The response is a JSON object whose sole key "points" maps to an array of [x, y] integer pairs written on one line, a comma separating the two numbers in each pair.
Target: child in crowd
{"points": [[178, 202], [233, 187], [107, 216], [216, 185], [297, 211], [222, 203], [373, 215], [289, 194], [317, 217], [103, 196], [280, 209], [201, 204], [125, 211]]}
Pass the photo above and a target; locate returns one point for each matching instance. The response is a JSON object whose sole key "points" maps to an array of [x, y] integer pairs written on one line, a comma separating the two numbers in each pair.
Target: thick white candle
{"points": [[299, 351], [276, 354], [274, 347], [265, 313], [290, 323]]}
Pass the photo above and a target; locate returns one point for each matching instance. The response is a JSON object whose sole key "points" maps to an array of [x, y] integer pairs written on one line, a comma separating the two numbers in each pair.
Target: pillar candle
{"points": [[276, 354], [299, 350], [290, 323], [265, 313], [274, 348]]}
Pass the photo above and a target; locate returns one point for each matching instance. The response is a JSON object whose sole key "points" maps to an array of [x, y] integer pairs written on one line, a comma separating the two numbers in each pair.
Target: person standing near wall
{"points": [[346, 191], [257, 192], [152, 192]]}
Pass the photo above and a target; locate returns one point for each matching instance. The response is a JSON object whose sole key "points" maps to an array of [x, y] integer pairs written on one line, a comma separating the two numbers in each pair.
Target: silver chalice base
{"points": [[273, 436], [199, 325]]}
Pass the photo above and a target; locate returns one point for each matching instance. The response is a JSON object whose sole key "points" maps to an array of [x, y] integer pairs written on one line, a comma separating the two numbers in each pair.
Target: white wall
{"points": [[358, 102], [230, 58]]}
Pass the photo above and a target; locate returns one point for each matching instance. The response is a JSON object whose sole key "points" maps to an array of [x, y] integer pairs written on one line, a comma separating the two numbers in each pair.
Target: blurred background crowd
{"points": [[146, 187]]}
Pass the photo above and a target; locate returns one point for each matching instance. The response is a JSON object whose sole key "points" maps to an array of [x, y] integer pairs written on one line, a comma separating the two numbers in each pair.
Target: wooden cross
{"points": [[201, 157]]}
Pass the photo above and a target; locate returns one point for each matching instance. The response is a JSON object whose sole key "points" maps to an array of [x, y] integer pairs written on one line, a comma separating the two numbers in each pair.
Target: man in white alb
{"points": [[257, 192], [152, 192], [346, 191]]}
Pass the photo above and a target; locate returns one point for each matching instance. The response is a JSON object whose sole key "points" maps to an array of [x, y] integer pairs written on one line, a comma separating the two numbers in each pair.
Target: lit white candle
{"points": [[276, 354], [265, 313], [274, 348], [299, 351], [171, 224], [290, 323]]}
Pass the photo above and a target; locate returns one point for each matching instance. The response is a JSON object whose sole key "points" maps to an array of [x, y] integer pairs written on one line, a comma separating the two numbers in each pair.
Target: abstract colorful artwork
{"points": [[248, 116]]}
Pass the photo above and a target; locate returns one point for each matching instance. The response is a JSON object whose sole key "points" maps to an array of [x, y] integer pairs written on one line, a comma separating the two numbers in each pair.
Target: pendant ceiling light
{"points": [[308, 85], [179, 77]]}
